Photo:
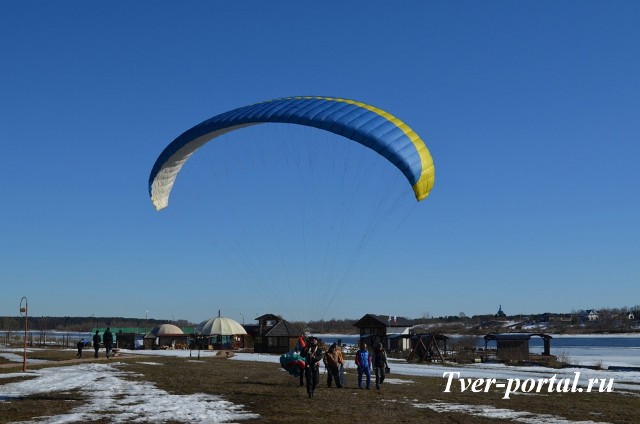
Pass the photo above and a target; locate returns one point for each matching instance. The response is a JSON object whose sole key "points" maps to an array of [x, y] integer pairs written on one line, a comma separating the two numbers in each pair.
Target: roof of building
{"points": [[268, 316], [383, 320], [283, 329], [165, 330], [514, 336]]}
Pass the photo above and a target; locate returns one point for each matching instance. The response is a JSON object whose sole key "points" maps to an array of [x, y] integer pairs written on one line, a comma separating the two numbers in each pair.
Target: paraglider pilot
{"points": [[312, 355]]}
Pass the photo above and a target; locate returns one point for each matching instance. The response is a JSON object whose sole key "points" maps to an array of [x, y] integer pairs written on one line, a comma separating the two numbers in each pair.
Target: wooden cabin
{"points": [[385, 329], [273, 334]]}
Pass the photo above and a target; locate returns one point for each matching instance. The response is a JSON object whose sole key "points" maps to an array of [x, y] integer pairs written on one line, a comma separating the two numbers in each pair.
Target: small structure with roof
{"points": [[273, 334], [220, 333], [515, 346], [386, 329], [592, 315], [428, 347], [166, 336]]}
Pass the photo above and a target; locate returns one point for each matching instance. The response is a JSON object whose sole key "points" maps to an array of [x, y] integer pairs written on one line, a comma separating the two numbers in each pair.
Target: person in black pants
{"points": [[107, 339], [312, 355], [380, 364], [96, 343], [80, 346]]}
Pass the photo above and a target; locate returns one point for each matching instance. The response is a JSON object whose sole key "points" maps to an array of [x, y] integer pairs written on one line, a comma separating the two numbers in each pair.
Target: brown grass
{"points": [[265, 389]]}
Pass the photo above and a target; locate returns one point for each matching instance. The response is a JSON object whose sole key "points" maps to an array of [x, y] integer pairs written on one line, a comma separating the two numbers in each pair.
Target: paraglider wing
{"points": [[365, 124], [292, 362]]}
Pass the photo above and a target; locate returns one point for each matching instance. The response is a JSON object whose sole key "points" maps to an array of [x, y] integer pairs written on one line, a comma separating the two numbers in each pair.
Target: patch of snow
{"points": [[112, 396], [491, 412]]}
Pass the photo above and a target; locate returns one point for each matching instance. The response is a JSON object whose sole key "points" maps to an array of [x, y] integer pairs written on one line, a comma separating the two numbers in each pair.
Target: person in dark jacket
{"points": [[96, 343], [80, 346], [312, 355], [107, 339], [379, 363]]}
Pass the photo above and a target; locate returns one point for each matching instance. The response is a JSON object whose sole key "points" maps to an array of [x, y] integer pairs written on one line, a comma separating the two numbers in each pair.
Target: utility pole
{"points": [[24, 310]]}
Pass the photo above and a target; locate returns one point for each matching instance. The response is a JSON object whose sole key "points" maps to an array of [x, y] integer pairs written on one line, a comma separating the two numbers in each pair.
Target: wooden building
{"points": [[515, 346], [428, 347], [129, 340], [166, 336], [386, 329], [273, 334]]}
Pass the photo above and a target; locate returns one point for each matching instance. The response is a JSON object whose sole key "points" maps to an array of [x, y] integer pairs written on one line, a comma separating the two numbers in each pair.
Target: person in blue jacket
{"points": [[363, 362]]}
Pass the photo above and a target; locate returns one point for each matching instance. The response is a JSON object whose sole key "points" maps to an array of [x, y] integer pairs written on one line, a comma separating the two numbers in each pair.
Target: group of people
{"points": [[106, 339], [376, 360], [333, 360]]}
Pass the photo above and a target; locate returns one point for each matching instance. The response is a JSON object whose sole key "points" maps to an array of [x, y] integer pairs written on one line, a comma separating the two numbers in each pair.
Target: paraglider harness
{"points": [[312, 353]]}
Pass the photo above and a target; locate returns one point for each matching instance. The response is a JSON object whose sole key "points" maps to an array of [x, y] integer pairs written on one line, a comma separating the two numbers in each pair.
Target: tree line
{"points": [[80, 324], [609, 319]]}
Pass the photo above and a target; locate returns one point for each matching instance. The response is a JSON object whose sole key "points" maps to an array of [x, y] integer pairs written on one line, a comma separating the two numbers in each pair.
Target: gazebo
{"points": [[221, 333], [165, 336], [515, 346]]}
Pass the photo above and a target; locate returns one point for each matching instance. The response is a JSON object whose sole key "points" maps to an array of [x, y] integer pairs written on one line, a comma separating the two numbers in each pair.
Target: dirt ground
{"points": [[277, 397]]}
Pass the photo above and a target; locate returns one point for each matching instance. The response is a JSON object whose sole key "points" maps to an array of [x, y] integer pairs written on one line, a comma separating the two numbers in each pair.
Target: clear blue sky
{"points": [[531, 111]]}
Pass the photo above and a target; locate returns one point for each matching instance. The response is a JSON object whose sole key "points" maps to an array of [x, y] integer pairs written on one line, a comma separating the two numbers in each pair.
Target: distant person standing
{"points": [[380, 364], [107, 339], [96, 343], [363, 361], [80, 346]]}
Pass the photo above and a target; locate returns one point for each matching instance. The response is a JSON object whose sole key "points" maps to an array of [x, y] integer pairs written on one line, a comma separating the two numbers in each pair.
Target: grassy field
{"points": [[277, 397]]}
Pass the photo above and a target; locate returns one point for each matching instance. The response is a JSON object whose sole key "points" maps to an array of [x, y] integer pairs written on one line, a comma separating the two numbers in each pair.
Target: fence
{"points": [[43, 338]]}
